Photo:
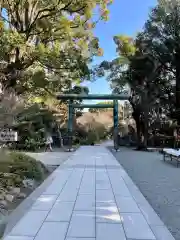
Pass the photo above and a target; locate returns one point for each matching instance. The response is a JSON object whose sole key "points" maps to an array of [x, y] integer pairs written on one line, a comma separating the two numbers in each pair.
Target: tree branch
{"points": [[10, 12], [50, 10], [16, 9], [74, 11], [53, 67]]}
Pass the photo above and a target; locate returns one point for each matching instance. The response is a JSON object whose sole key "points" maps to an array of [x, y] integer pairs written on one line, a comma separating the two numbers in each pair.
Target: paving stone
{"points": [[128, 180], [85, 202], [120, 188], [138, 196], [104, 196], [162, 233], [80, 238], [103, 185], [102, 177], [116, 173], [53, 189], [44, 202], [126, 204], [52, 230], [100, 171], [29, 224], [138, 239], [18, 238], [89, 174], [82, 225], [149, 213], [107, 213], [87, 189], [61, 212], [68, 195], [75, 179], [136, 227], [108, 231], [88, 183]]}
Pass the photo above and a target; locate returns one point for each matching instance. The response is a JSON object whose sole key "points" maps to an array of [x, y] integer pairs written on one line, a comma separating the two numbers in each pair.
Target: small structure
{"points": [[71, 97]]}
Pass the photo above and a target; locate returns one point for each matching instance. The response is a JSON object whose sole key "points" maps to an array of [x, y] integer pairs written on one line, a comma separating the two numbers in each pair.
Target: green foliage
{"points": [[27, 167], [125, 47], [163, 28], [94, 134], [32, 124], [146, 66], [101, 131], [47, 40], [31, 144], [15, 167], [92, 137], [46, 47]]}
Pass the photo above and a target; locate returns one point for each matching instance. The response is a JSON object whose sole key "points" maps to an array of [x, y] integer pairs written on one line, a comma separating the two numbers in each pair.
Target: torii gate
{"points": [[72, 106]]}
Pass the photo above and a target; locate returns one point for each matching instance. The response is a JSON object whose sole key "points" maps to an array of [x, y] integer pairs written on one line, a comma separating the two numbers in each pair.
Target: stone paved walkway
{"points": [[90, 198]]}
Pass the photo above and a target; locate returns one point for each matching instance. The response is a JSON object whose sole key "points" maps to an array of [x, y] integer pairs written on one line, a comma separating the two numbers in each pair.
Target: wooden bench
{"points": [[172, 154]]}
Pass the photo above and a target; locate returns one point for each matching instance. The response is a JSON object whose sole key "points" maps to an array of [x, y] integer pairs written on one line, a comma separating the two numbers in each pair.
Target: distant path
{"points": [[158, 181], [54, 158], [108, 143]]}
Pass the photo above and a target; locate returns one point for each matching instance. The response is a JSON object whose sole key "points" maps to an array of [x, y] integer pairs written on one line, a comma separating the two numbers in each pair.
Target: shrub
{"points": [[32, 144], [27, 167], [101, 132], [5, 161], [83, 141], [92, 137]]}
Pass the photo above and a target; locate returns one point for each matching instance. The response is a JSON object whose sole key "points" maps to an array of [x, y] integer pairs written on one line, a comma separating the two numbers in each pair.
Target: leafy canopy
{"points": [[47, 43]]}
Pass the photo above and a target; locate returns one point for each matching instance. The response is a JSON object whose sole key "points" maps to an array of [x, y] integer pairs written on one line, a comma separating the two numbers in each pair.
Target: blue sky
{"points": [[126, 17]]}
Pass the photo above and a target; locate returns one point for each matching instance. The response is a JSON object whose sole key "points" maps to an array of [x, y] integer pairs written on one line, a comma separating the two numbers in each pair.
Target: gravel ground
{"points": [[159, 182]]}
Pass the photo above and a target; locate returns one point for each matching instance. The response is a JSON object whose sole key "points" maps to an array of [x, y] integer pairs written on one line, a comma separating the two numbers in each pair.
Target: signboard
{"points": [[8, 136]]}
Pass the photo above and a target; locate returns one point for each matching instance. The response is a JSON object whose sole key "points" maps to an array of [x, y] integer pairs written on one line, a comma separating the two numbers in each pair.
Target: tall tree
{"points": [[141, 71], [47, 43], [161, 36]]}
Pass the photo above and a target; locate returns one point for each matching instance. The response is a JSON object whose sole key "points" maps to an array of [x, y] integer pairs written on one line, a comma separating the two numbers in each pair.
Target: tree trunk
{"points": [[145, 134], [138, 128], [60, 137], [142, 134], [145, 127], [139, 140]]}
